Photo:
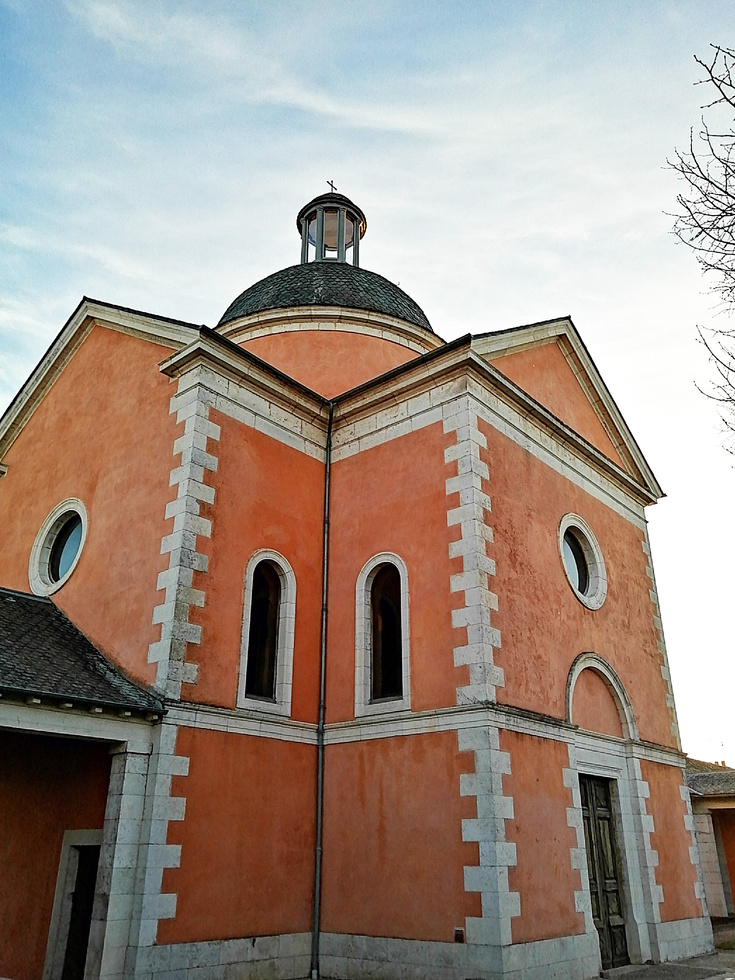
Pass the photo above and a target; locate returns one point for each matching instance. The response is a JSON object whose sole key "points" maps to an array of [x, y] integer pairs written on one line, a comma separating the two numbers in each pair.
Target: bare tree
{"points": [[706, 221], [706, 217]]}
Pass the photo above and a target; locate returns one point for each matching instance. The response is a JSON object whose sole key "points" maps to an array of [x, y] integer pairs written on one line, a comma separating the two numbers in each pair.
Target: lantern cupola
{"points": [[330, 227]]}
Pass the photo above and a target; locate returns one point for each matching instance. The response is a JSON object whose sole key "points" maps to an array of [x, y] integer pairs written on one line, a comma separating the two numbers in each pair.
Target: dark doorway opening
{"points": [[80, 919], [604, 870]]}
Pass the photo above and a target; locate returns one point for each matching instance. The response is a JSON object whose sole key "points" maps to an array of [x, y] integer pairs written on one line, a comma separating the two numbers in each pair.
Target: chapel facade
{"points": [[329, 648]]}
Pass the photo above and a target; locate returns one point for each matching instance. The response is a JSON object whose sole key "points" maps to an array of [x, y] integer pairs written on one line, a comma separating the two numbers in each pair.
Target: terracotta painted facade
{"points": [[450, 817]]}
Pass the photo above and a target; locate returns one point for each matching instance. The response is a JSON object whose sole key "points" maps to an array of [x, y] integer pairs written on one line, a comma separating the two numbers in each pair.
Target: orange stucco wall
{"points": [[543, 875], [675, 872], [725, 820], [542, 623], [393, 851], [544, 374], [103, 433], [47, 786], [593, 707], [329, 361], [393, 498], [267, 495], [247, 856]]}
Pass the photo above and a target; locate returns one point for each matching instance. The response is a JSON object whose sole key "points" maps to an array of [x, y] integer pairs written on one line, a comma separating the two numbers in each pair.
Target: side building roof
{"points": [[44, 655]]}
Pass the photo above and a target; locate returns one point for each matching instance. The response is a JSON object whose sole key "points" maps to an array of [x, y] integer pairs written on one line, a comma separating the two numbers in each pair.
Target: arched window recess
{"points": [[382, 663], [266, 651]]}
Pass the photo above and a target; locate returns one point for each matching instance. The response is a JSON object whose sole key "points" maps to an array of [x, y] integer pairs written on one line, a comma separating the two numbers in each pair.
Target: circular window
{"points": [[582, 561], [57, 547]]}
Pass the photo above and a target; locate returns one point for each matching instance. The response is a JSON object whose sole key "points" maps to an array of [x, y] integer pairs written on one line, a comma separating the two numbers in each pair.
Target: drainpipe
{"points": [[322, 699]]}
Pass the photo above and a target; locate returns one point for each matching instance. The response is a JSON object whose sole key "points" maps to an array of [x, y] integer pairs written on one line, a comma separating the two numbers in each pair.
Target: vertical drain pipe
{"points": [[322, 701]]}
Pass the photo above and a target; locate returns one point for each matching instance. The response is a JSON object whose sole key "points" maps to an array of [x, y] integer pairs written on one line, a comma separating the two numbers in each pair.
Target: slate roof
{"points": [[327, 284], [710, 779], [43, 654]]}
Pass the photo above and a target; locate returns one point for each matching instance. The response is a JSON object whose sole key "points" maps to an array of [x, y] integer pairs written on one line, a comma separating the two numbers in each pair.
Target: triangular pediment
{"points": [[549, 362]]}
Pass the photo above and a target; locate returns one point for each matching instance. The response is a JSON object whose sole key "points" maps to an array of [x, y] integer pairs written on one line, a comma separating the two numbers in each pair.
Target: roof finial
{"points": [[331, 184]]}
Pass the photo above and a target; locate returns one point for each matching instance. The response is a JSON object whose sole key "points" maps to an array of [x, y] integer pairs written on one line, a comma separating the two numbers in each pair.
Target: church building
{"points": [[332, 649]]}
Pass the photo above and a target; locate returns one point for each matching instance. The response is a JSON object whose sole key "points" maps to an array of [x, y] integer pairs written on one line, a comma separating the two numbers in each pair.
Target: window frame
{"points": [[284, 639], [364, 639], [39, 576], [596, 591]]}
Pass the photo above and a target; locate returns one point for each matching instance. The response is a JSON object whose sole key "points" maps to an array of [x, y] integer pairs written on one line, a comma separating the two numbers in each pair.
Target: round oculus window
{"points": [[58, 547], [582, 560]]}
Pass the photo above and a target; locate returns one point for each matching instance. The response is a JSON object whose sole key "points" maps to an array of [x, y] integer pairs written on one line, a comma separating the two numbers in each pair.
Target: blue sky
{"points": [[511, 160]]}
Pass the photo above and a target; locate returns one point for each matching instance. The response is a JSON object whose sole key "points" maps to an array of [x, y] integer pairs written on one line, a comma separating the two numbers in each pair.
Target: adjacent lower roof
{"points": [[710, 778], [42, 654], [327, 283]]}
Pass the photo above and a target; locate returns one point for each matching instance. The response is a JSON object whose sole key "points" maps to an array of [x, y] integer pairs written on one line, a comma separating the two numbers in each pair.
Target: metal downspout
{"points": [[322, 699]]}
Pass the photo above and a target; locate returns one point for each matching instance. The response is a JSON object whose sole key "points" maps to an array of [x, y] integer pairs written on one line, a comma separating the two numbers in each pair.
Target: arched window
{"points": [[265, 601], [386, 673], [268, 627], [382, 678]]}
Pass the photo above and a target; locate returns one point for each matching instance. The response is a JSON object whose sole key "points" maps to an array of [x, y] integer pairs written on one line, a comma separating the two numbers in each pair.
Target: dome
{"points": [[327, 283]]}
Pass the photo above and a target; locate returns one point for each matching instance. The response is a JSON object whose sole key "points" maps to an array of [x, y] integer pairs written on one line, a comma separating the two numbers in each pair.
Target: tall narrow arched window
{"points": [[386, 669], [382, 662], [260, 678], [268, 631]]}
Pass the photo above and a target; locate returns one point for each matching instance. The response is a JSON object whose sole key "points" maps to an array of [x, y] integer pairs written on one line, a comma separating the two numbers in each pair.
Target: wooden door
{"points": [[603, 866]]}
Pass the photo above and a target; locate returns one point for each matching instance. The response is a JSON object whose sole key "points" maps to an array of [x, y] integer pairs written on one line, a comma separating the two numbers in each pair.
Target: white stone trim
{"points": [[661, 643], [242, 387], [683, 938], [481, 637], [363, 639], [496, 854], [710, 864], [284, 640], [169, 653], [38, 564], [596, 592], [286, 956], [112, 915], [590, 661], [694, 859], [58, 933], [326, 318], [154, 853]]}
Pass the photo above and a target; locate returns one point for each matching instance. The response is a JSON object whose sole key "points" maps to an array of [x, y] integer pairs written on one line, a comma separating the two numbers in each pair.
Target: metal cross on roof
{"points": [[331, 184]]}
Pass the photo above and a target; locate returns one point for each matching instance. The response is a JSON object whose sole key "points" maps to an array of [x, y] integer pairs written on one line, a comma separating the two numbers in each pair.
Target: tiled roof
{"points": [[43, 654], [327, 284], [710, 778]]}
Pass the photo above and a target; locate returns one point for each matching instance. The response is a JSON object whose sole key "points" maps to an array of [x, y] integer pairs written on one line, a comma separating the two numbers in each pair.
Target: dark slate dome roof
{"points": [[327, 283]]}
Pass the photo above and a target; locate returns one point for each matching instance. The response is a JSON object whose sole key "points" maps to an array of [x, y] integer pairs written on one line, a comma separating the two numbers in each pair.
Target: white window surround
{"points": [[597, 588], [590, 661], [364, 639], [285, 639], [38, 564]]}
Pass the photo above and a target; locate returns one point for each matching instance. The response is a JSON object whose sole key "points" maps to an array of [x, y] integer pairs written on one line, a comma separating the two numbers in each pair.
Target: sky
{"points": [[511, 158]]}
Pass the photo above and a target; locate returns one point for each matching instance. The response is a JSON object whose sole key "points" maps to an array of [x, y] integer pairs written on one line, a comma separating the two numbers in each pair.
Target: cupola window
{"points": [[331, 226]]}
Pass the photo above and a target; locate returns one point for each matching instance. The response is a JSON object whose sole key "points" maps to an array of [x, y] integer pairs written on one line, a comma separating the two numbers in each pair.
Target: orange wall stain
{"points": [[109, 410], [593, 706], [329, 361], [543, 625], [544, 374], [675, 873], [393, 498], [543, 876], [47, 786], [393, 850], [247, 855], [267, 495]]}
